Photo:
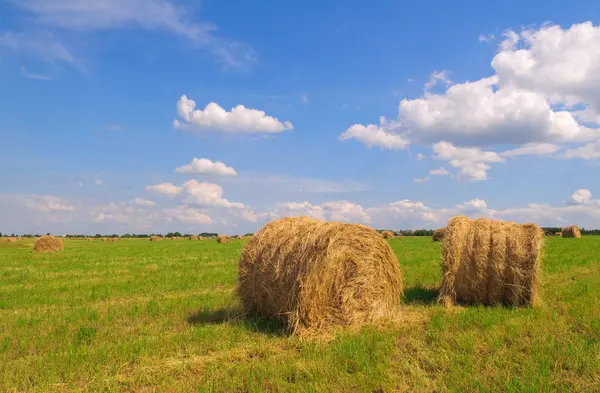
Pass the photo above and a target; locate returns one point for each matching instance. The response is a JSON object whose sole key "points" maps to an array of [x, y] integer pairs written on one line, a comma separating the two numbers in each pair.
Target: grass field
{"points": [[140, 316]]}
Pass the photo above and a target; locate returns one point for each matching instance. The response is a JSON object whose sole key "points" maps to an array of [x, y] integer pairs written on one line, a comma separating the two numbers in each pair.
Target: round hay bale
{"points": [[314, 275], [48, 244], [223, 239], [388, 234], [193, 237], [558, 234], [438, 234], [154, 238], [490, 262], [571, 231]]}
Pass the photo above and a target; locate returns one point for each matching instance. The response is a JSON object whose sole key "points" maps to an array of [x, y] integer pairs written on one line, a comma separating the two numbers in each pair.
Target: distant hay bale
{"points": [[490, 262], [193, 237], [11, 240], [572, 231], [558, 234], [154, 238], [48, 244], [223, 239], [388, 234], [314, 275], [438, 234]]}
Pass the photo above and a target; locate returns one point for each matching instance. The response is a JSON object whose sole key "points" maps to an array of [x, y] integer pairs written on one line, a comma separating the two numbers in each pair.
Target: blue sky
{"points": [[390, 114]]}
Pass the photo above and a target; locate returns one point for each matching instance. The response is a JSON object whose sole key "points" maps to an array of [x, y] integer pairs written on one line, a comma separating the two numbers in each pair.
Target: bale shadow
{"points": [[254, 324], [420, 295]]}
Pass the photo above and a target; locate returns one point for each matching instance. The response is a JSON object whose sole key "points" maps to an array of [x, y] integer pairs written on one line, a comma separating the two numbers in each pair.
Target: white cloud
{"points": [[439, 172], [486, 38], [160, 15], [438, 77], [207, 194], [31, 75], [420, 157], [372, 135], [43, 46], [587, 152], [481, 113], [187, 215], [304, 98], [168, 189], [562, 64], [532, 149], [544, 94], [239, 120], [47, 203], [473, 162], [407, 214], [580, 197], [333, 211], [475, 207], [421, 180], [143, 202], [203, 165], [98, 182]]}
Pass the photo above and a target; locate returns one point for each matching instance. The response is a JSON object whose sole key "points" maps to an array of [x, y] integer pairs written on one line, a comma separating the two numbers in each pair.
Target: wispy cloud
{"points": [[40, 45], [160, 15], [30, 75], [113, 127]]}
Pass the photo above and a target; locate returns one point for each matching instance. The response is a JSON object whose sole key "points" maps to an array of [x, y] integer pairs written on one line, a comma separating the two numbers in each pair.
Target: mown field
{"points": [[140, 316]]}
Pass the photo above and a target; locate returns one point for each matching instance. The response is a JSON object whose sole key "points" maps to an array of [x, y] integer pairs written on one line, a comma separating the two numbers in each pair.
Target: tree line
{"points": [[405, 232]]}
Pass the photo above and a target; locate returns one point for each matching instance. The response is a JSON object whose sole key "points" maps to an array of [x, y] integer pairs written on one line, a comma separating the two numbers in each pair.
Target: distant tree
{"points": [[249, 234]]}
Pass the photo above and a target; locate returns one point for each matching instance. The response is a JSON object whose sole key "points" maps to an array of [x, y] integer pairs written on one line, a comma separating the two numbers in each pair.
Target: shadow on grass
{"points": [[267, 326], [420, 295]]}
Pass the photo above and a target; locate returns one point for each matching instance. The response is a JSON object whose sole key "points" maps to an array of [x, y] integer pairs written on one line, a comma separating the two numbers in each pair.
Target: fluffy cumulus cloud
{"points": [[47, 213], [472, 162], [473, 207], [47, 203], [207, 194], [333, 211], [544, 96], [206, 166], [168, 189], [375, 136], [580, 197], [188, 215], [215, 118], [562, 64]]}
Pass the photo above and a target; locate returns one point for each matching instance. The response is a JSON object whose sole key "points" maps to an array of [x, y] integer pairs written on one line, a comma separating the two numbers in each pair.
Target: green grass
{"points": [[140, 316]]}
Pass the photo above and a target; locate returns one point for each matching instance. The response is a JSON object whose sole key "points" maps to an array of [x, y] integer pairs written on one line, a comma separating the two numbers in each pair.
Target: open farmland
{"points": [[136, 315]]}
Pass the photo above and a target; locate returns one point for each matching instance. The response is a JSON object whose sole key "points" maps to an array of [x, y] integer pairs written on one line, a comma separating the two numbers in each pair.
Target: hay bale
{"points": [[388, 234], [193, 237], [223, 239], [48, 244], [154, 238], [490, 262], [314, 275], [11, 240], [438, 234], [558, 234], [571, 231]]}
